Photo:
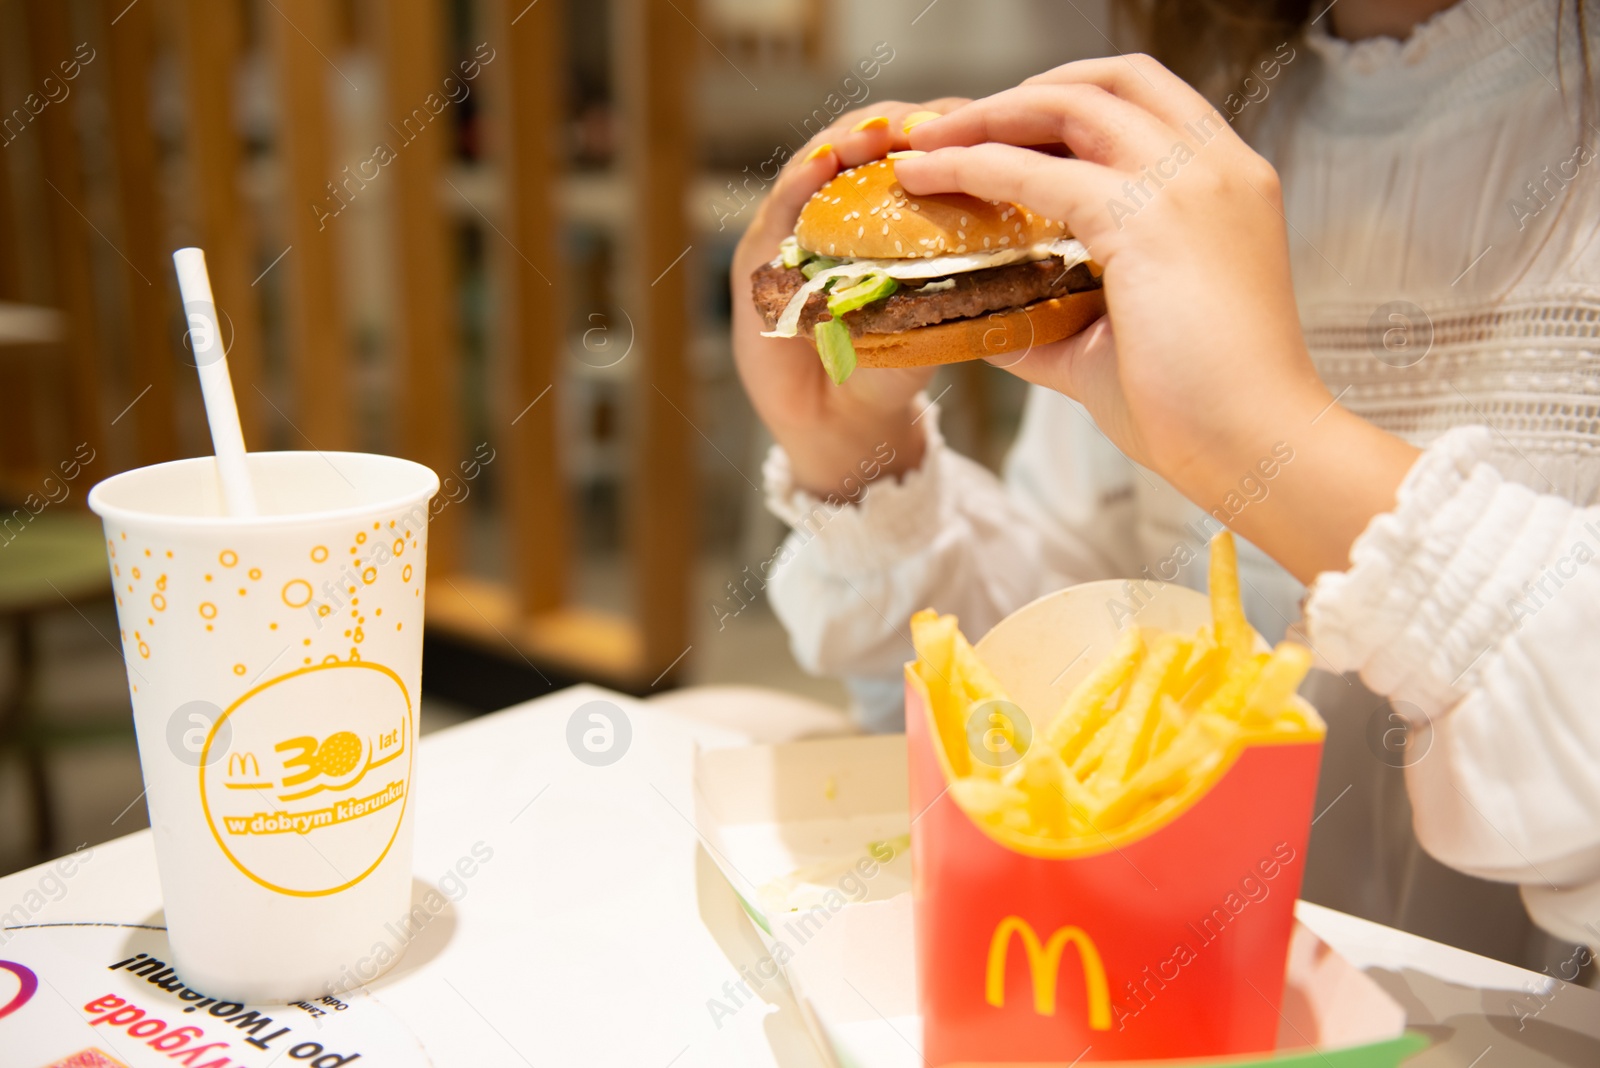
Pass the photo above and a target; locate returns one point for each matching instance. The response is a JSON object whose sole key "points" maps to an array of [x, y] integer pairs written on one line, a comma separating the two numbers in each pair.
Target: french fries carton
{"points": [[1111, 797]]}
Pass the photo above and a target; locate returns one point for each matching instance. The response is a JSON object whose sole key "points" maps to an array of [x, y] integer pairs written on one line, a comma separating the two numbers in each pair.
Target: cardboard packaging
{"points": [[1168, 937]]}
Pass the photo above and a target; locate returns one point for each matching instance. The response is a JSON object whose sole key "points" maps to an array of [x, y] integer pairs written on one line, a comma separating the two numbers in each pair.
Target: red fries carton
{"points": [[1166, 936]]}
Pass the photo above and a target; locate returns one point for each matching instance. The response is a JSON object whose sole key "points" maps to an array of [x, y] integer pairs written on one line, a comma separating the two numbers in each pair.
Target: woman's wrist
{"points": [[835, 460]]}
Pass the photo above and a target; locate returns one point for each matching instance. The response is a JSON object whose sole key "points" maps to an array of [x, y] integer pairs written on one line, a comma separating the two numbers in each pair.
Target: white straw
{"points": [[205, 339]]}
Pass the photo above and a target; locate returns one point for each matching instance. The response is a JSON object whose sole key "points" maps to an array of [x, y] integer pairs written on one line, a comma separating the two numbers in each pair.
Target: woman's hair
{"points": [[1211, 44], [1215, 45]]}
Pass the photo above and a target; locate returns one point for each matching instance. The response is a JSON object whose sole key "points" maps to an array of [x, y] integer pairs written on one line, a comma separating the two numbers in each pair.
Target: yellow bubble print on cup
{"points": [[312, 788]]}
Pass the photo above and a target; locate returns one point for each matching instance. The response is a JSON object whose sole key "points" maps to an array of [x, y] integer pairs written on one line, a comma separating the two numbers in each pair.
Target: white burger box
{"points": [[813, 837]]}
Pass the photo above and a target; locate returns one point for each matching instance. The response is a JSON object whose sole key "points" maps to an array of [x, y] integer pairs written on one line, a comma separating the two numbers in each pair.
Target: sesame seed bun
{"points": [[865, 213], [1015, 330]]}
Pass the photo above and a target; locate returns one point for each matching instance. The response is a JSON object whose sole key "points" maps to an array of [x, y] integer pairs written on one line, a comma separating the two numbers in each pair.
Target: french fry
{"points": [[1154, 719], [1058, 802], [1228, 700], [1279, 678], [1172, 721], [1203, 676], [976, 684], [1227, 611], [1202, 742], [934, 637], [1090, 704], [986, 799], [1018, 819], [1135, 722]]}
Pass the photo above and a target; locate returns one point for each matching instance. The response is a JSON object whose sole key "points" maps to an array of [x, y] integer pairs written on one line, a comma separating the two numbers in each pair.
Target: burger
{"points": [[878, 277]]}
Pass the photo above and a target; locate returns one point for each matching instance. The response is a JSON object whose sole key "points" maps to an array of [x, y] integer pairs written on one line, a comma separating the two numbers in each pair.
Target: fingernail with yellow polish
{"points": [[877, 122], [917, 118], [822, 150]]}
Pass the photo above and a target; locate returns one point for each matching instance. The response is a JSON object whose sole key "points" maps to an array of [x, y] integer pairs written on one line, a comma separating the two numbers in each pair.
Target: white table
{"points": [[598, 930]]}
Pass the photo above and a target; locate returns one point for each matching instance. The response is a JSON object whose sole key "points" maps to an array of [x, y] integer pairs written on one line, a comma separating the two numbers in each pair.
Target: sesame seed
{"points": [[894, 215], [986, 242], [861, 181], [962, 234], [1005, 241], [875, 211], [897, 247], [885, 228], [860, 230], [963, 220], [961, 248]]}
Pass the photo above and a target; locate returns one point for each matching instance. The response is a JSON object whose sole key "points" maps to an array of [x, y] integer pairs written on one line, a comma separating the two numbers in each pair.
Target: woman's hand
{"points": [[1199, 368], [831, 433]]}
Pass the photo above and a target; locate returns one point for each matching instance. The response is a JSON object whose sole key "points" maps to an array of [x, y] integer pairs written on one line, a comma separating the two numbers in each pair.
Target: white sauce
{"points": [[1069, 249]]}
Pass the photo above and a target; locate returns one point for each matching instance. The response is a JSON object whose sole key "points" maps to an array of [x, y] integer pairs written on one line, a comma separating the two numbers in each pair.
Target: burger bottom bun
{"points": [[989, 335]]}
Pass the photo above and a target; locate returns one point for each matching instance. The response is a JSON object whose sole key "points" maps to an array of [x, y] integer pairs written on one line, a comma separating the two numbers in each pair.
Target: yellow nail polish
{"points": [[821, 150], [877, 122], [917, 118]]}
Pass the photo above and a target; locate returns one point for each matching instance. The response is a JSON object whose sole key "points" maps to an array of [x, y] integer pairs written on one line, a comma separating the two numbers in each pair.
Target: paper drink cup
{"points": [[274, 664], [1167, 938]]}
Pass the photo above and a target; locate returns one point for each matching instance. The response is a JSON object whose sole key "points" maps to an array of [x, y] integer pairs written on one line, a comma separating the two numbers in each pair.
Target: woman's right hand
{"points": [[831, 433]]}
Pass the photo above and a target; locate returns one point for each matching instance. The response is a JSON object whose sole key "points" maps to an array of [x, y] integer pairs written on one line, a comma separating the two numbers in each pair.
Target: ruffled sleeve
{"points": [[949, 535], [1477, 601]]}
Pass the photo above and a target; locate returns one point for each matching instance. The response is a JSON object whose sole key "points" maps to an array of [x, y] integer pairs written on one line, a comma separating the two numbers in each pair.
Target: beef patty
{"points": [[974, 293]]}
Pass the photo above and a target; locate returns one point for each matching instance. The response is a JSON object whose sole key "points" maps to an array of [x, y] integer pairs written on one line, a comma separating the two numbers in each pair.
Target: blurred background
{"points": [[489, 235]]}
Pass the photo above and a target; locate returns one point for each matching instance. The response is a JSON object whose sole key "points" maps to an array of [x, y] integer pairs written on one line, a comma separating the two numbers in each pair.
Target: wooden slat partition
{"points": [[533, 320], [212, 47], [532, 613], [18, 447], [11, 288], [302, 36], [128, 48], [429, 371], [522, 86], [654, 70], [49, 44]]}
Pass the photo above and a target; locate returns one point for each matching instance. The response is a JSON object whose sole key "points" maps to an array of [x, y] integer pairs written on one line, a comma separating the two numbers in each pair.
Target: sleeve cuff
{"points": [[1568, 912], [892, 519], [1422, 601]]}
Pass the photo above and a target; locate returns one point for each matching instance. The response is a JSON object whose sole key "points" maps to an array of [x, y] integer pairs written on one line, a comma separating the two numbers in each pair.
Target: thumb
{"points": [[1083, 366]]}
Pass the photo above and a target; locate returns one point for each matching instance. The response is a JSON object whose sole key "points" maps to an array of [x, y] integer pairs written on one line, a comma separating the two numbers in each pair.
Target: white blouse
{"points": [[1443, 212]]}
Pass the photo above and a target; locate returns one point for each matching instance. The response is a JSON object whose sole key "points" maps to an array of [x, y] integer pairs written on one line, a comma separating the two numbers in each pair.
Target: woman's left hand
{"points": [[1199, 368]]}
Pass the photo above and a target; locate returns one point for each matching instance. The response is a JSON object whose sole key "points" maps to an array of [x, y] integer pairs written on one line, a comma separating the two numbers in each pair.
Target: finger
{"points": [[921, 113], [796, 182], [857, 137], [1082, 366], [1071, 189], [1095, 124], [1137, 79]]}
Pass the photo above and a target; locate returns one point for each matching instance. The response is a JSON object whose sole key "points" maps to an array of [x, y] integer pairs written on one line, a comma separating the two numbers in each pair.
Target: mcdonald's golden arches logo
{"points": [[245, 762], [1044, 966]]}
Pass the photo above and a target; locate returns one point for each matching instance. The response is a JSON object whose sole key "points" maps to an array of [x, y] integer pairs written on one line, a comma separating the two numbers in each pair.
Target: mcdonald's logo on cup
{"points": [[1044, 966], [243, 763]]}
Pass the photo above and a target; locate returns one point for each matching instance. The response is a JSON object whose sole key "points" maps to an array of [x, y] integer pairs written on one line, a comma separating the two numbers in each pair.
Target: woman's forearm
{"points": [[1344, 472]]}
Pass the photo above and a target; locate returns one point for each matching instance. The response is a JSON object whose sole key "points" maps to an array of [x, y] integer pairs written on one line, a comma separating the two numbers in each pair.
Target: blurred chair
{"points": [[52, 559], [57, 562]]}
